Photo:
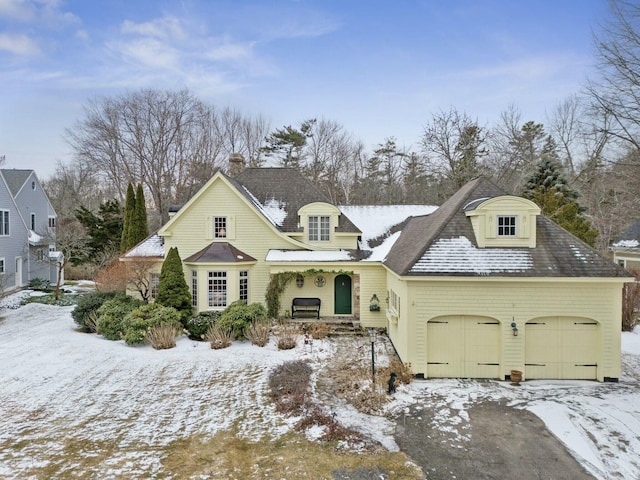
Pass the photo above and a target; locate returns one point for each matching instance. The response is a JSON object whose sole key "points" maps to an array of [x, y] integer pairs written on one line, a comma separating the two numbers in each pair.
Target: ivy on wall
{"points": [[279, 282]]}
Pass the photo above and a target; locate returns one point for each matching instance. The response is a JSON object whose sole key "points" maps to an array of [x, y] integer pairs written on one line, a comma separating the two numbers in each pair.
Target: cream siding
{"points": [[506, 301]]}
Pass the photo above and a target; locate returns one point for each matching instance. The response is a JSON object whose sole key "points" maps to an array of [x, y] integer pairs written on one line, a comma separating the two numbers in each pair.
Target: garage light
{"points": [[514, 327]]}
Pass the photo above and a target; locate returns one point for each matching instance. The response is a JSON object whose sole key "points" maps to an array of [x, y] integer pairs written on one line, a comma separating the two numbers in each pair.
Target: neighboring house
{"points": [[479, 287], [626, 250], [27, 230]]}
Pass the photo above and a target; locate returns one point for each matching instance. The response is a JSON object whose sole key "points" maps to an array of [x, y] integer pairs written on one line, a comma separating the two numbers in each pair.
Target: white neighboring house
{"points": [[626, 250], [27, 231]]}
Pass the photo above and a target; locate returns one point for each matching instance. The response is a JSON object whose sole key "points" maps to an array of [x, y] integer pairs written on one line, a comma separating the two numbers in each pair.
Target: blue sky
{"points": [[380, 68]]}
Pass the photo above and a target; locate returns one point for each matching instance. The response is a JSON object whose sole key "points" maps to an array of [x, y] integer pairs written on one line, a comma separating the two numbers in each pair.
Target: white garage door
{"points": [[561, 347], [463, 346]]}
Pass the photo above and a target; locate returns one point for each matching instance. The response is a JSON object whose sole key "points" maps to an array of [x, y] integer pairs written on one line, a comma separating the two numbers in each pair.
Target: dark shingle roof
{"points": [[631, 233], [557, 252], [287, 187], [15, 178], [219, 252]]}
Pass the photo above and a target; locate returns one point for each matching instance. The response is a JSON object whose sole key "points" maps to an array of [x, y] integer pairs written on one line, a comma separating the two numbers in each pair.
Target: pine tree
{"points": [[549, 189], [129, 212], [172, 289], [139, 228], [104, 228]]}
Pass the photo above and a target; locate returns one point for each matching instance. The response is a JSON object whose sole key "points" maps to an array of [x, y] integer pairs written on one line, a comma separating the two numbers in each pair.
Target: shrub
{"points": [[88, 304], [111, 316], [40, 284], [139, 321], [162, 336], [218, 337], [238, 316], [197, 326], [287, 338], [289, 378], [318, 331], [172, 289], [112, 278], [257, 333]]}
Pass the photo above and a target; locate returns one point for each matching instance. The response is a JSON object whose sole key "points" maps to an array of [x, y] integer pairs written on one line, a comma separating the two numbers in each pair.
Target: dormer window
{"points": [[506, 225], [220, 227], [319, 228]]}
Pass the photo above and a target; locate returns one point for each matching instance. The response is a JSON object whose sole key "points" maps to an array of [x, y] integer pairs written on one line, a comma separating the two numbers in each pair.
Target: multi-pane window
{"points": [[155, 282], [507, 226], [1, 265], [217, 289], [33, 221], [194, 288], [40, 255], [394, 301], [319, 228], [4, 222], [52, 222], [244, 286], [220, 227]]}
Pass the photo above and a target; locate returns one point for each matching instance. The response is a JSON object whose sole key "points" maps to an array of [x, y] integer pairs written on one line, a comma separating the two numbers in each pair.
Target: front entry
{"points": [[342, 295]]}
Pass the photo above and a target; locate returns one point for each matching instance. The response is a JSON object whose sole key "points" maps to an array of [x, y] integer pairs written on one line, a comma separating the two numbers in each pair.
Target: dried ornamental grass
{"points": [[318, 331], [257, 333], [162, 336], [287, 338], [218, 337]]}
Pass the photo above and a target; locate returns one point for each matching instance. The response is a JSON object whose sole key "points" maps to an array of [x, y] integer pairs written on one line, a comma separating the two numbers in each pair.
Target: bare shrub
{"points": [[218, 337], [370, 400], [403, 372], [318, 331], [257, 333], [631, 303], [162, 336], [334, 432], [287, 337], [112, 278], [289, 378]]}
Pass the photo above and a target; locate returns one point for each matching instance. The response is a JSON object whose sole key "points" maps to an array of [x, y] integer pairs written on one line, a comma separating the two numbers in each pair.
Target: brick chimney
{"points": [[236, 164]]}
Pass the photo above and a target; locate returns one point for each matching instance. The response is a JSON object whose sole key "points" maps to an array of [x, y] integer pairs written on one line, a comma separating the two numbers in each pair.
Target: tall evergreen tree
{"points": [[129, 212], [139, 228], [549, 189], [172, 289], [104, 228]]}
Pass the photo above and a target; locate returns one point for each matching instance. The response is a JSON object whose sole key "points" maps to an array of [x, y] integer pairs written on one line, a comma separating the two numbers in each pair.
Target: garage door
{"points": [[463, 346], [561, 347]]}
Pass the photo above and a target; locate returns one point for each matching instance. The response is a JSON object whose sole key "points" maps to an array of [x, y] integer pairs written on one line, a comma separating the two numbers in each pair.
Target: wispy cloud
{"points": [[18, 44], [163, 28]]}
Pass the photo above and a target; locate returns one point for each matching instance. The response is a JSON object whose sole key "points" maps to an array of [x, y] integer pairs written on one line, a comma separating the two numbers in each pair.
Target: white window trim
{"points": [[243, 277], [194, 288], [321, 229], [212, 276], [3, 265], [33, 219], [3, 231], [220, 227]]}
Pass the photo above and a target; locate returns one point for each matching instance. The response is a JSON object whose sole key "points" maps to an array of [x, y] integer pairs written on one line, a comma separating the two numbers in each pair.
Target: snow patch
{"points": [[459, 255]]}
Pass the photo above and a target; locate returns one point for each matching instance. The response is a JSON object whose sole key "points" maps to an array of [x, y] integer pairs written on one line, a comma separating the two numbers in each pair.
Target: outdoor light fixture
{"points": [[514, 327], [299, 281], [374, 303], [373, 335]]}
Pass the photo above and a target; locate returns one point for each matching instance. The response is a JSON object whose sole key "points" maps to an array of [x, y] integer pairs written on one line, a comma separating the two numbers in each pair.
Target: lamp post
{"points": [[372, 338]]}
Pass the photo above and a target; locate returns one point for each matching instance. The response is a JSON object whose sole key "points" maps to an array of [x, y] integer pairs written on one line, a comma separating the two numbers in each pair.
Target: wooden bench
{"points": [[305, 305]]}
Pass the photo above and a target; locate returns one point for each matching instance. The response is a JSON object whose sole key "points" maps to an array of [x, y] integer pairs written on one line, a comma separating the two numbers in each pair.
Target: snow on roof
{"points": [[34, 238], [459, 255], [274, 209], [152, 246], [308, 256], [626, 244], [376, 220], [379, 253]]}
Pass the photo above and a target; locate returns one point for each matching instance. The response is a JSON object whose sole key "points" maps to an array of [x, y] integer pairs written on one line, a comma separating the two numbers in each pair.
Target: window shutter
{"points": [[208, 225], [231, 227]]}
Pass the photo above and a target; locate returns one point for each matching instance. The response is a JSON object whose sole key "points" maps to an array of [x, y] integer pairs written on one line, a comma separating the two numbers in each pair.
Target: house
{"points": [[626, 250], [476, 288], [27, 230]]}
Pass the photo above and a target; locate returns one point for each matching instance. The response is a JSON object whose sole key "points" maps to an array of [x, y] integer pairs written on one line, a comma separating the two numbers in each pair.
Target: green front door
{"points": [[342, 292]]}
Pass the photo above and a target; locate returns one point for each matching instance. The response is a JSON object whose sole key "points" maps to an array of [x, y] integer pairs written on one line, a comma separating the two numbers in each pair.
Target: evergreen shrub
{"points": [[139, 321], [238, 316], [112, 313], [89, 303], [197, 326]]}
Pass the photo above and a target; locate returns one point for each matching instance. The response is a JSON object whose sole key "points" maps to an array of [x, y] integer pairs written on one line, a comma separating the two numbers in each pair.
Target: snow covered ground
{"points": [[64, 390]]}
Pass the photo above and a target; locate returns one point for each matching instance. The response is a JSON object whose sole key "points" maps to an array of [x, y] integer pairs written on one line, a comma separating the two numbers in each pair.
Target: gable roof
{"points": [[444, 243], [15, 178], [278, 193]]}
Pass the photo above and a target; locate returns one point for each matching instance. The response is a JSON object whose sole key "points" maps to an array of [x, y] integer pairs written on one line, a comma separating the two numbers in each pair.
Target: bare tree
{"points": [[617, 90], [71, 242], [139, 276], [454, 146]]}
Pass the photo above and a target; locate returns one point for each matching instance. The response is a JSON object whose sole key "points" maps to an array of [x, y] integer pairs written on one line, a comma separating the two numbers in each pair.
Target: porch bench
{"points": [[305, 305]]}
